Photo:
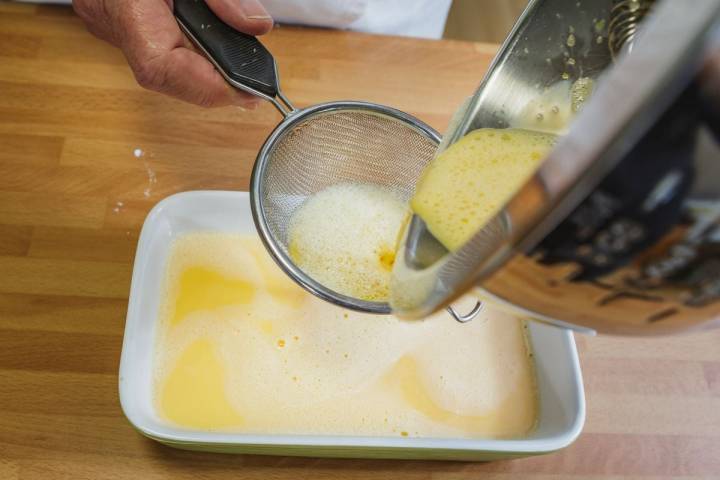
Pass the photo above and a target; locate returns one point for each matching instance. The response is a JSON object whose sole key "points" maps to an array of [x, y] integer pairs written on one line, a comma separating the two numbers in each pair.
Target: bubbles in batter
{"points": [[261, 355], [345, 236]]}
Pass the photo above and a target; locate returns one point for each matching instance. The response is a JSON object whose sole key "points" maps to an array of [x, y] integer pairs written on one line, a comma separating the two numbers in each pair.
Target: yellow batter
{"points": [[468, 183], [243, 349]]}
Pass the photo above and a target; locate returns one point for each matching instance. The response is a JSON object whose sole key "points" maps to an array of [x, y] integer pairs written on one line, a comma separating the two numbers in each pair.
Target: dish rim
{"points": [[187, 437]]}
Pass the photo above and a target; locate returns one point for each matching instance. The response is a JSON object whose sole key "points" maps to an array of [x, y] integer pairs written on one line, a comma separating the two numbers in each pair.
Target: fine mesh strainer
{"points": [[312, 148], [329, 144]]}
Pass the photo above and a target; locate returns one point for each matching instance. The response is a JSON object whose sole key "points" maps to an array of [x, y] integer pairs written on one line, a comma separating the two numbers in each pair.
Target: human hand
{"points": [[161, 57]]}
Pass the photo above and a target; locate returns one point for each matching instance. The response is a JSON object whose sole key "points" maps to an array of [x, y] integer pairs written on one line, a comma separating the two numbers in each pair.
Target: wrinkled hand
{"points": [[160, 56]]}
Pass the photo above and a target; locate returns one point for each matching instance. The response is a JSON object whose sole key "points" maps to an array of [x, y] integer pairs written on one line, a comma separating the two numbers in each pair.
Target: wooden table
{"points": [[73, 197]]}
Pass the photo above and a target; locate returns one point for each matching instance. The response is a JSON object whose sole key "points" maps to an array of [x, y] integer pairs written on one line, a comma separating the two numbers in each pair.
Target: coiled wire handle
{"points": [[625, 18]]}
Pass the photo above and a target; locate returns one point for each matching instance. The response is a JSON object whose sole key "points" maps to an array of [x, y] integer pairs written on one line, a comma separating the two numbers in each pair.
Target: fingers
{"points": [[156, 51], [248, 16], [97, 18], [186, 75]]}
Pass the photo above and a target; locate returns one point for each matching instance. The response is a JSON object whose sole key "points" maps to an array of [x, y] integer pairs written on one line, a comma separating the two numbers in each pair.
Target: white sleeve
{"points": [[413, 18], [409, 18], [320, 13]]}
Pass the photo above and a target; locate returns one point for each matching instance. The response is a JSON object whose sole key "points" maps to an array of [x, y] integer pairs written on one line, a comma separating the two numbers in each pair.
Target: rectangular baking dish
{"points": [[561, 397]]}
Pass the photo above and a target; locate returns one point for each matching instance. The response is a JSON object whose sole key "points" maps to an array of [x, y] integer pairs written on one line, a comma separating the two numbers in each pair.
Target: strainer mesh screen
{"points": [[340, 146]]}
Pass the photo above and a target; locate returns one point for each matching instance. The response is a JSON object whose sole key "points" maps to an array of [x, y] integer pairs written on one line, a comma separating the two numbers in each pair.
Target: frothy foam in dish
{"points": [[345, 237], [241, 348]]}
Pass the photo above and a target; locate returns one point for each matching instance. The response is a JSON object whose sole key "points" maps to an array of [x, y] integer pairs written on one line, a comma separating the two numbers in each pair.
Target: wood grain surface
{"points": [[73, 197]]}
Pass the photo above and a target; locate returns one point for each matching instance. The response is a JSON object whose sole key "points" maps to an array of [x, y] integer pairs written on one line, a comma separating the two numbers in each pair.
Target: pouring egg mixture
{"points": [[345, 236], [467, 184], [241, 348]]}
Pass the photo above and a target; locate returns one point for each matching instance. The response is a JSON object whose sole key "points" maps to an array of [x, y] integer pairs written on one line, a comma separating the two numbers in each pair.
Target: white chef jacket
{"points": [[411, 18]]}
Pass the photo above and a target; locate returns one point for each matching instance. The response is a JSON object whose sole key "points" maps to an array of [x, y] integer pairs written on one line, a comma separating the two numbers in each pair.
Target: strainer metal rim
{"points": [[257, 203]]}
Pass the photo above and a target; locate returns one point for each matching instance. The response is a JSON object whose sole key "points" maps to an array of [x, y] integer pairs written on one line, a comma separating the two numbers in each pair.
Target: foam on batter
{"points": [[344, 237], [281, 361]]}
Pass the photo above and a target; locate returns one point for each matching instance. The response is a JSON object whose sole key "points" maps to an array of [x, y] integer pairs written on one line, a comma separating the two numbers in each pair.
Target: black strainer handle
{"points": [[243, 61]]}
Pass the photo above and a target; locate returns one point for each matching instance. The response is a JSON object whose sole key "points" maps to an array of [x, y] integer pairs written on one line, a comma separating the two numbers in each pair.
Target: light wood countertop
{"points": [[73, 197]]}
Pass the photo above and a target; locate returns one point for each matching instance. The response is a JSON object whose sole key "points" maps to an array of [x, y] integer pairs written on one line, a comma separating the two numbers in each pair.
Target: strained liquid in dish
{"points": [[242, 348]]}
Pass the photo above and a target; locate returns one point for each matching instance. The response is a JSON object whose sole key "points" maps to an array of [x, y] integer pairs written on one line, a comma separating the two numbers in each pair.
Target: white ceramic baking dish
{"points": [[562, 401]]}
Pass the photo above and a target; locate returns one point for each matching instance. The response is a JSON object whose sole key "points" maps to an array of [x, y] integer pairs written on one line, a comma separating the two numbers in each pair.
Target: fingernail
{"points": [[254, 10]]}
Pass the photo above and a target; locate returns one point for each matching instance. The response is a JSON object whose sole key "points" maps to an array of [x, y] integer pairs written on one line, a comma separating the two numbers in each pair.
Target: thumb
{"points": [[247, 16]]}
